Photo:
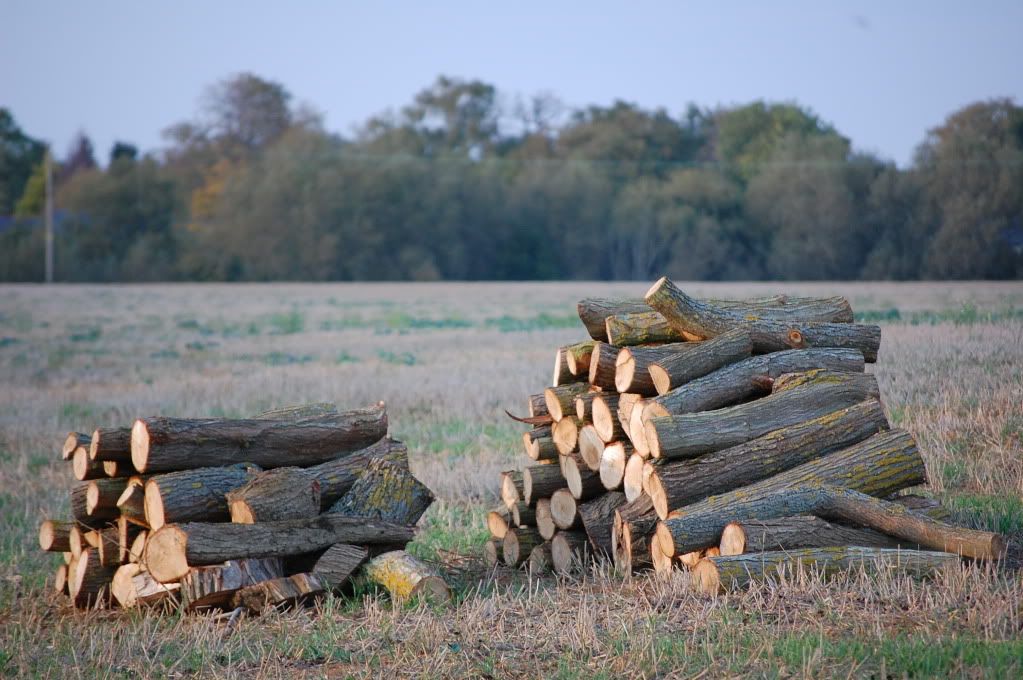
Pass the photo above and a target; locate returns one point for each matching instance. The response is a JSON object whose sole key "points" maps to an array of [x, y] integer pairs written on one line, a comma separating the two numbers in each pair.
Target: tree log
{"points": [[584, 405], [89, 581], [612, 464], [799, 531], [72, 442], [570, 551], [109, 547], [214, 586], [641, 328], [605, 417], [598, 519], [700, 359], [164, 444], [138, 547], [60, 580], [635, 474], [85, 469], [626, 402], [55, 536], [132, 586], [537, 406], [278, 494], [633, 527], [174, 548], [561, 399], [676, 484], [76, 541], [602, 366], [540, 481], [694, 434], [565, 510], [405, 577], [387, 491], [663, 564], [523, 515], [746, 379], [497, 521], [518, 543], [591, 447], [283, 592], [493, 552], [722, 574], [593, 312], [566, 435], [578, 358], [544, 519], [582, 482], [194, 495], [879, 466], [632, 367], [511, 488], [540, 560], [132, 501], [335, 566], [101, 495], [111, 443], [540, 447]]}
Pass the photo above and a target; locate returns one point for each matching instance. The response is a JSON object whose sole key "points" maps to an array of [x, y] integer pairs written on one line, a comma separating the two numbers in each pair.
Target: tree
{"points": [[19, 157], [80, 157], [245, 112], [123, 151]]}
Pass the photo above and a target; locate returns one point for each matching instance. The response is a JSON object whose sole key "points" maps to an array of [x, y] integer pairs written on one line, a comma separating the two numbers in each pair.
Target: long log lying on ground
{"points": [[540, 481], [273, 495], [605, 417], [335, 566], [72, 442], [214, 586], [171, 550], [570, 550], [694, 434], [700, 359], [577, 357], [722, 574], [879, 466], [565, 510], [518, 543], [632, 367], [602, 366], [799, 531], [405, 576], [747, 379], [194, 495], [55, 536], [598, 519], [387, 491], [283, 592], [337, 476], [675, 484], [165, 444]]}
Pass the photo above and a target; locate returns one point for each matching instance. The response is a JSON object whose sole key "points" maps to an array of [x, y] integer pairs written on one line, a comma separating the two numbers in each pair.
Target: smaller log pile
{"points": [[251, 513], [736, 439]]}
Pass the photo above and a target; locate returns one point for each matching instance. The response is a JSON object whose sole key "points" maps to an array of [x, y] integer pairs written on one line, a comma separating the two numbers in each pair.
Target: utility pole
{"points": [[49, 218]]}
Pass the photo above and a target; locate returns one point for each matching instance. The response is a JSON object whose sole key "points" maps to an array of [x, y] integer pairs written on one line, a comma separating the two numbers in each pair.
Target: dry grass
{"points": [[448, 359]]}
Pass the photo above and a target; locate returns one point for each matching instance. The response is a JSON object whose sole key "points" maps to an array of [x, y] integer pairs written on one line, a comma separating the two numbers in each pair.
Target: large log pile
{"points": [[736, 439], [239, 513]]}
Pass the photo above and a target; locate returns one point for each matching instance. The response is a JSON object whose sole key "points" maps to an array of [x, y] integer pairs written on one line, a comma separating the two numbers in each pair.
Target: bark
{"points": [[72, 442], [633, 528], [626, 402], [593, 312], [745, 379], [335, 566], [582, 482], [540, 481], [566, 435], [562, 375], [565, 510], [405, 577], [132, 502], [127, 532], [695, 434], [700, 359], [537, 405], [602, 366], [132, 586], [612, 464], [111, 443], [113, 468], [540, 560], [193, 495], [772, 336], [101, 495], [879, 466], [55, 536], [561, 400], [497, 521], [518, 543], [723, 574], [283, 592], [511, 488], [85, 469], [570, 550], [632, 367], [584, 405], [387, 491], [523, 515], [214, 586], [591, 447], [544, 519], [337, 476], [171, 550], [88, 580], [676, 484], [799, 531], [928, 507], [165, 444], [578, 358], [539, 447], [278, 494], [605, 417], [640, 328], [598, 519], [109, 548]]}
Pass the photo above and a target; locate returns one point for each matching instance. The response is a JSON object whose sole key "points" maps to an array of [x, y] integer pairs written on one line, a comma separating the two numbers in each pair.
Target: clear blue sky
{"points": [[882, 72]]}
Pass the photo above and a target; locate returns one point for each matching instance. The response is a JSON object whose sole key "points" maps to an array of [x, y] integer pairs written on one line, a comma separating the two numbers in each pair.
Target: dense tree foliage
{"points": [[464, 183]]}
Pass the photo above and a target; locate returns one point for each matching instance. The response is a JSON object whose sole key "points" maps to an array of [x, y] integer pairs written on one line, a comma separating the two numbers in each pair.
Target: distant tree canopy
{"points": [[464, 183]]}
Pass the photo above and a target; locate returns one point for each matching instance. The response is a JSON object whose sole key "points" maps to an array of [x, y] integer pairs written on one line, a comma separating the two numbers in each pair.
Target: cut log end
{"points": [[613, 465], [733, 540], [71, 444], [139, 445], [663, 563], [153, 504], [497, 521], [564, 509], [652, 442], [705, 577], [632, 481], [165, 554], [55, 536]]}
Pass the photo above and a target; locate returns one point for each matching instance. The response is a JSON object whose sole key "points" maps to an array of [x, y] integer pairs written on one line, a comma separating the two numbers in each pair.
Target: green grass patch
{"points": [[966, 315], [286, 359], [287, 324], [539, 322], [397, 358], [1001, 513], [344, 357]]}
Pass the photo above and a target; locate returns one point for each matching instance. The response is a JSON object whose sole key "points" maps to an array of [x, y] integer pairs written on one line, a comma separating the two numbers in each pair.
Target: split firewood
{"points": [[540, 560], [700, 359], [387, 491], [544, 519], [540, 481], [722, 574], [497, 521], [72, 442], [194, 495], [602, 366], [612, 464], [570, 551], [283, 592], [565, 510], [605, 417], [278, 494], [518, 543], [336, 565], [55, 536], [405, 576], [598, 519], [166, 444], [214, 586]]}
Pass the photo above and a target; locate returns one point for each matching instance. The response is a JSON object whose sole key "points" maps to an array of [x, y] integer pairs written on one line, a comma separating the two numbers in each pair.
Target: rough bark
{"points": [[602, 366], [578, 358], [676, 484], [518, 543], [593, 312], [715, 575], [523, 515], [127, 532], [746, 379], [544, 519], [879, 466], [113, 468], [132, 586], [214, 586], [605, 417], [511, 488], [561, 399], [165, 444], [108, 549], [89, 581], [337, 476], [335, 566], [537, 406], [387, 491], [111, 443], [194, 495], [632, 367], [565, 510], [171, 550], [283, 592], [582, 482], [83, 468], [101, 495], [633, 528], [591, 447], [493, 552], [694, 434], [72, 442], [278, 494], [540, 481], [405, 577], [540, 560], [799, 531], [566, 435], [640, 328], [55, 536], [570, 551], [497, 521], [584, 405], [612, 464], [540, 447], [598, 517], [700, 359]]}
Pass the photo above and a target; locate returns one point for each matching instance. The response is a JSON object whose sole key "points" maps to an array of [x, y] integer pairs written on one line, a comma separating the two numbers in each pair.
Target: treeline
{"points": [[464, 184]]}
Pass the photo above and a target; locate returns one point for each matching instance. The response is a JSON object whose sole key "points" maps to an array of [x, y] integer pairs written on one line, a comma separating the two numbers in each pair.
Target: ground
{"points": [[448, 359]]}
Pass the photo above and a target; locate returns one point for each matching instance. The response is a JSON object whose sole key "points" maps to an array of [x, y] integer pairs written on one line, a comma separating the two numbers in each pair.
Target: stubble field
{"points": [[448, 359]]}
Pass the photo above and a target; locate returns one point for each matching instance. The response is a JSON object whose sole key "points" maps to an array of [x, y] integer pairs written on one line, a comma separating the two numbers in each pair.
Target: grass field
{"points": [[448, 359]]}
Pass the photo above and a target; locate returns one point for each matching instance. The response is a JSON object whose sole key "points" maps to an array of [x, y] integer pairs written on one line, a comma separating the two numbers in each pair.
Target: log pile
{"points": [[736, 439], [250, 513]]}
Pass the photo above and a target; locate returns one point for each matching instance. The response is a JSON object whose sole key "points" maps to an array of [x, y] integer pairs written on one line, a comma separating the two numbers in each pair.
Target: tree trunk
{"points": [[278, 494], [598, 517], [540, 560], [387, 491], [55, 536], [570, 551], [676, 484], [164, 444], [582, 482], [497, 521], [723, 574], [132, 502], [694, 434], [337, 476], [605, 418], [879, 466], [283, 592], [565, 510], [799, 531], [540, 447], [612, 464], [335, 566], [747, 378], [214, 586], [109, 548], [193, 495], [584, 405], [566, 435], [632, 367], [561, 400], [113, 443], [72, 442], [171, 550], [700, 359], [511, 488], [593, 312], [540, 481], [523, 515], [113, 468], [591, 447], [544, 519], [640, 328], [578, 358], [602, 366], [405, 577], [537, 406], [101, 495], [88, 580], [518, 543]]}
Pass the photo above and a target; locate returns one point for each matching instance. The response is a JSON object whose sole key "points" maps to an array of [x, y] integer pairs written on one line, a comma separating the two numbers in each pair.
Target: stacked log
{"points": [[256, 513], [732, 438]]}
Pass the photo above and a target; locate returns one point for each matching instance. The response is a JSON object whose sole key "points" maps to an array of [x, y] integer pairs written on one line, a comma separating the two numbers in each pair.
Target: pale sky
{"points": [[882, 72]]}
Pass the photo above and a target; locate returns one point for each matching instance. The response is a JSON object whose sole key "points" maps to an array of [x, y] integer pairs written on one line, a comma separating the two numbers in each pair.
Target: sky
{"points": [[882, 72]]}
